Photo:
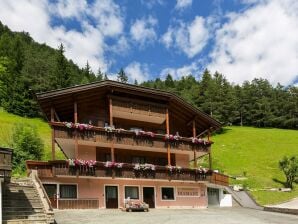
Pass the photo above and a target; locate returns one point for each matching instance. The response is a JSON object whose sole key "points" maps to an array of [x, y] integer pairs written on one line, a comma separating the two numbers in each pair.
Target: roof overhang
{"points": [[174, 102]]}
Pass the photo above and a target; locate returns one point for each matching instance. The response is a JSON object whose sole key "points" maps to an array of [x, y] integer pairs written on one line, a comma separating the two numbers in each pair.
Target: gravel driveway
{"points": [[174, 216]]}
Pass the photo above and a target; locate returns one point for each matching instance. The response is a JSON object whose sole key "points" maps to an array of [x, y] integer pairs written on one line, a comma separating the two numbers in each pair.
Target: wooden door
{"points": [[149, 196], [111, 196], [51, 190]]}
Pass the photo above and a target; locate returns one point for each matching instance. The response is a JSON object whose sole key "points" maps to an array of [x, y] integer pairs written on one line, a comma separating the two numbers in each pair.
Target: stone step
{"points": [[26, 204], [17, 209], [24, 216], [25, 221], [8, 215], [21, 197]]}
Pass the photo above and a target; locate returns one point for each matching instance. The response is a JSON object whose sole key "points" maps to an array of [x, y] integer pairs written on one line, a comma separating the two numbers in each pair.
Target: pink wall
{"points": [[94, 188]]}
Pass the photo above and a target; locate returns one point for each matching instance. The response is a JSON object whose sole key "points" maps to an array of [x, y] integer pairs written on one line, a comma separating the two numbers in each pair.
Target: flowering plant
{"points": [[110, 164], [144, 133], [202, 170], [71, 162], [80, 162], [69, 124], [174, 168], [170, 137], [109, 128], [199, 141], [79, 126], [146, 166]]}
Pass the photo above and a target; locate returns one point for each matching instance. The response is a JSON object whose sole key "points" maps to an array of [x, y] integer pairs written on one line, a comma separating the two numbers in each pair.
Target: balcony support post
{"points": [[194, 134], [53, 133], [111, 124], [75, 105], [210, 158], [168, 132]]}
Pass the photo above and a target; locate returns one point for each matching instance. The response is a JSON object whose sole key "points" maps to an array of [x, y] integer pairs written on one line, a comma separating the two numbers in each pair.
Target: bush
{"points": [[27, 146], [289, 165]]}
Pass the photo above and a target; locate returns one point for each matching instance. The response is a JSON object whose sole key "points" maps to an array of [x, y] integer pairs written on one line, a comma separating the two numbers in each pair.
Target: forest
{"points": [[27, 67]]}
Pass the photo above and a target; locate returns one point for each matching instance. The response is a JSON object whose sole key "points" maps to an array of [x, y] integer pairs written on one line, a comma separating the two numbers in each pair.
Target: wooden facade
{"points": [[125, 124]]}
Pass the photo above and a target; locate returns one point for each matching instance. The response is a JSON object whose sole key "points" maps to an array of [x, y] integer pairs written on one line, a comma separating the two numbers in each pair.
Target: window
{"points": [[138, 159], [108, 157], [68, 191], [167, 193], [132, 192], [51, 190]]}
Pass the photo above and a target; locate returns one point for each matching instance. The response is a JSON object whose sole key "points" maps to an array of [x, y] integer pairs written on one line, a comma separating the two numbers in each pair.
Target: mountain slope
{"points": [[256, 152]]}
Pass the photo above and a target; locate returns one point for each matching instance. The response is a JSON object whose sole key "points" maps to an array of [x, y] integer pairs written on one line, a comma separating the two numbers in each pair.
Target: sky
{"points": [[242, 39]]}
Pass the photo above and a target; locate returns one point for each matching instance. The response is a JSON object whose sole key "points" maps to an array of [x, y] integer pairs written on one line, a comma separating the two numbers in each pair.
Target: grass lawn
{"points": [[256, 152], [240, 149]]}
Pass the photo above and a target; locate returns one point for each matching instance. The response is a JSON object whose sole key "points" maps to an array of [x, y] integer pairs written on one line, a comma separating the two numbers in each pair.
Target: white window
{"points": [[132, 192], [167, 193]]}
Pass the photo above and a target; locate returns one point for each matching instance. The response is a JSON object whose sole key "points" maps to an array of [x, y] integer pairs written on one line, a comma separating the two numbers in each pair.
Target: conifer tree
{"points": [[122, 77]]}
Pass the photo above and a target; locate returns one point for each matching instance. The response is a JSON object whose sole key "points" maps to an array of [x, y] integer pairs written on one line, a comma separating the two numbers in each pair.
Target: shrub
{"points": [[27, 146], [289, 165]]}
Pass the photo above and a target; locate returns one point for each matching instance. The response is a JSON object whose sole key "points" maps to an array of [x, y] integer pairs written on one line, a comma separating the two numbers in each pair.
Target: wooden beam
{"points": [[111, 124], [168, 132], [53, 133], [191, 121], [56, 115], [111, 111], [210, 161], [194, 133], [75, 115], [204, 132]]}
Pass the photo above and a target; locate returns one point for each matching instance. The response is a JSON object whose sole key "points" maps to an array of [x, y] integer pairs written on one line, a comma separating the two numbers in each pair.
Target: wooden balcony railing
{"points": [[62, 168], [5, 163], [125, 138]]}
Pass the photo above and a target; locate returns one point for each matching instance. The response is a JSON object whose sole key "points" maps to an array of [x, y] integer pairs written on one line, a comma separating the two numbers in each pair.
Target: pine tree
{"points": [[100, 75], [169, 82], [62, 76], [122, 77]]}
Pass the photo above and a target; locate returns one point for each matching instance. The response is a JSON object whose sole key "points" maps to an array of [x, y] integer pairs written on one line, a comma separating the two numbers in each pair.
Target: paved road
{"points": [[293, 204], [170, 216]]}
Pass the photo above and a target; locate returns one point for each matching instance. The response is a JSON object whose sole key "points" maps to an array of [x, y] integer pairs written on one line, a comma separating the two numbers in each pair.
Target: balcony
{"points": [[127, 170], [127, 139], [5, 163]]}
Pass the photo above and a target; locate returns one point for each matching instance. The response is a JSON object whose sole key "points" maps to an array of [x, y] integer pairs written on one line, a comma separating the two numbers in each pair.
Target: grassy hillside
{"points": [[8, 121], [240, 149], [257, 152]]}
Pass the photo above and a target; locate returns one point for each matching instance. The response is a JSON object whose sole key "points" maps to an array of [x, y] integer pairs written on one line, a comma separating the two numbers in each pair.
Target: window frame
{"points": [[174, 194], [139, 193], [76, 187]]}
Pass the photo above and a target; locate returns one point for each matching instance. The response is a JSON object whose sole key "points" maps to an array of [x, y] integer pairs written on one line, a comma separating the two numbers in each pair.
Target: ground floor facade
{"points": [[65, 192]]}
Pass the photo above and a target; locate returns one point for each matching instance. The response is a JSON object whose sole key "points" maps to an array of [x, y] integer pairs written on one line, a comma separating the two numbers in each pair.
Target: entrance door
{"points": [[148, 196], [51, 190], [213, 196], [111, 196]]}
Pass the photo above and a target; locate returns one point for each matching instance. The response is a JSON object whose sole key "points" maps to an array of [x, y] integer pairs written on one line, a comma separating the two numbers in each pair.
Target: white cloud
{"points": [[259, 42], [190, 38], [69, 8], [137, 71], [183, 4], [143, 30], [178, 73], [34, 16]]}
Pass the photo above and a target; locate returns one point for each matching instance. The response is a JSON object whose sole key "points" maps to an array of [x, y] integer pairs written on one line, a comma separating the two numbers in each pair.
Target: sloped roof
{"points": [[46, 99]]}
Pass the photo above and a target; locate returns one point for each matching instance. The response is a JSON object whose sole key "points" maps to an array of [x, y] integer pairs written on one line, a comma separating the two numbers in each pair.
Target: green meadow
{"points": [[238, 151], [254, 153]]}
